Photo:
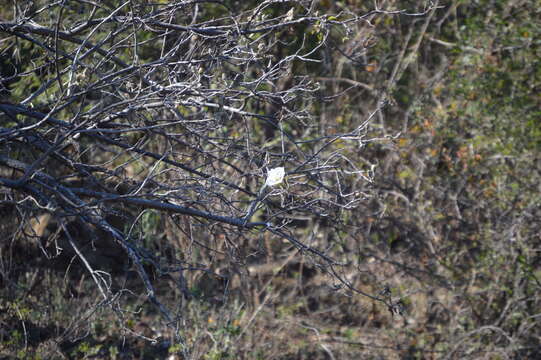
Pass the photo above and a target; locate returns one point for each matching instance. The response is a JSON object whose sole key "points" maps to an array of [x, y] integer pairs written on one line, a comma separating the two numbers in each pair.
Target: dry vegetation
{"points": [[136, 139]]}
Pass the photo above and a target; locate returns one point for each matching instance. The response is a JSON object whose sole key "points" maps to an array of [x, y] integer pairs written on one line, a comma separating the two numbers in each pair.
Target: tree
{"points": [[142, 134]]}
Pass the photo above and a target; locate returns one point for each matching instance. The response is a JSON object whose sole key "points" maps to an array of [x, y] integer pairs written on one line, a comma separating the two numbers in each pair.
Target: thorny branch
{"points": [[135, 110]]}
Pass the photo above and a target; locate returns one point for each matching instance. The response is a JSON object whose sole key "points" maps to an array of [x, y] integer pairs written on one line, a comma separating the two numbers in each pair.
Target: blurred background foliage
{"points": [[452, 228]]}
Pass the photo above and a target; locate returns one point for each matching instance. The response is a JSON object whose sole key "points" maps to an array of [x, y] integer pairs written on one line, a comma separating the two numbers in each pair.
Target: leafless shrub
{"points": [[145, 124]]}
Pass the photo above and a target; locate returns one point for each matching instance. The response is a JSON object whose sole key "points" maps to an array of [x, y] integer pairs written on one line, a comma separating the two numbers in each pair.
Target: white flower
{"points": [[275, 176], [290, 14]]}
